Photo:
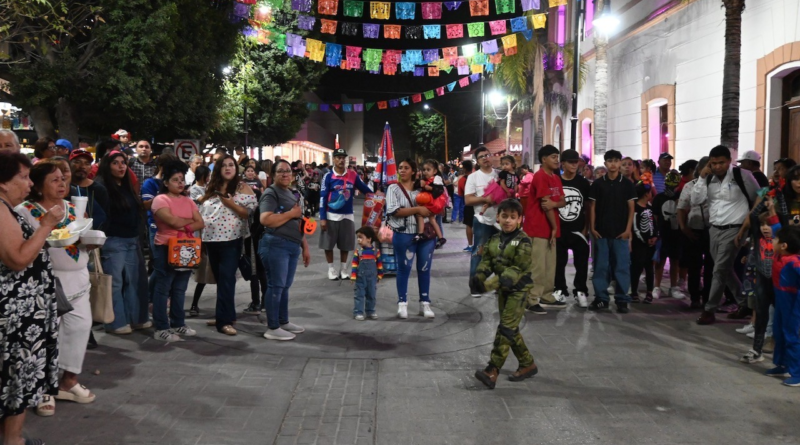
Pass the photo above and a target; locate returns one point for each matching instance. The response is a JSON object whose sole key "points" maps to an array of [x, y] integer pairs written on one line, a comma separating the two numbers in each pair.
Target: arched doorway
{"points": [[783, 114]]}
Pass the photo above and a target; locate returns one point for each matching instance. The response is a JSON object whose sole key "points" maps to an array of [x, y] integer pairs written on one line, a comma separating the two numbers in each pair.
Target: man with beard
{"points": [[80, 163]]}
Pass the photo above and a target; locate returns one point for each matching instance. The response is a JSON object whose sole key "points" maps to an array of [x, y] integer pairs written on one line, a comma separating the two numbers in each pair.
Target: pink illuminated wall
{"points": [[587, 142], [589, 16]]}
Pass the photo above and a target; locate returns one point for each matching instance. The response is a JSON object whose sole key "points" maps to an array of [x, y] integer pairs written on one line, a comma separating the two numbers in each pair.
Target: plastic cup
{"points": [[80, 203]]}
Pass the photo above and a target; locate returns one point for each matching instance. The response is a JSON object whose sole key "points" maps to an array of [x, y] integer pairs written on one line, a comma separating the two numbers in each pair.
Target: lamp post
{"points": [[483, 106], [446, 149], [576, 61]]}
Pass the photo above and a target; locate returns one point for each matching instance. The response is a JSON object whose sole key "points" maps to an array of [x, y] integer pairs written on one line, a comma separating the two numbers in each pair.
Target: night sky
{"points": [[462, 106]]}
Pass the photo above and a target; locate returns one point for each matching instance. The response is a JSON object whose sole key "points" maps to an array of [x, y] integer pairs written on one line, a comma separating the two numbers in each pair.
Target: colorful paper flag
{"points": [[328, 26], [391, 31], [382, 105], [380, 10], [510, 50], [478, 7], [358, 108], [393, 103], [433, 71], [301, 5], [417, 98], [419, 71], [432, 31], [450, 53], [333, 54], [450, 86], [489, 46], [463, 69], [431, 11], [469, 50], [306, 22], [429, 95], [475, 77], [349, 29], [347, 108], [404, 101], [440, 91], [315, 50], [430, 55], [539, 20], [527, 5], [369, 105], [452, 6], [497, 27], [556, 3], [519, 24], [475, 29], [528, 34], [464, 82], [455, 31], [404, 10], [328, 7], [324, 107], [509, 41], [353, 8], [505, 6], [413, 32], [371, 30]]}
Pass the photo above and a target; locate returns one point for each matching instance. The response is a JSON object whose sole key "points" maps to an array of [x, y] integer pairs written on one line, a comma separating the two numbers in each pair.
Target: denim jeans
{"points": [[120, 259], [171, 285], [458, 209], [366, 283], [280, 257], [405, 249], [224, 258], [609, 249], [439, 221], [481, 234]]}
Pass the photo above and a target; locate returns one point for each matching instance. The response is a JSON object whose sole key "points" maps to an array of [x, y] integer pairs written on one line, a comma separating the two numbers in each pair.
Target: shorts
{"points": [[469, 215], [669, 246], [341, 234]]}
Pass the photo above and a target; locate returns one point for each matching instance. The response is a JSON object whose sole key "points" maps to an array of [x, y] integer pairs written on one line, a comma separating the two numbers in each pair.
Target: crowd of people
{"points": [[727, 233]]}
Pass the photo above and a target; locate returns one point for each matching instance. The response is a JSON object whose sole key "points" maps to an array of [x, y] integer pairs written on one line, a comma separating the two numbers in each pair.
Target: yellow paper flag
{"points": [[555, 3], [476, 69], [539, 20], [510, 41], [315, 50], [380, 10]]}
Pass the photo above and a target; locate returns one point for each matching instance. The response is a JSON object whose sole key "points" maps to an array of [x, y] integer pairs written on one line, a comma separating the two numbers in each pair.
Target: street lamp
{"points": [[607, 22], [227, 71], [446, 150]]}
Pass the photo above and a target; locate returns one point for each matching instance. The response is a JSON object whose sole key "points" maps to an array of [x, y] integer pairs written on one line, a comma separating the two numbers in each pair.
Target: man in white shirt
{"points": [[483, 223], [730, 192]]}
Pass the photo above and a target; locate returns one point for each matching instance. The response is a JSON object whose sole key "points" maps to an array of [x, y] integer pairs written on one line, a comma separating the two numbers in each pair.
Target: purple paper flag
{"points": [[452, 6], [463, 69], [393, 103], [489, 46], [430, 55], [306, 22], [301, 5], [475, 77], [324, 107], [527, 5], [241, 10], [371, 30], [249, 31], [358, 108], [419, 71]]}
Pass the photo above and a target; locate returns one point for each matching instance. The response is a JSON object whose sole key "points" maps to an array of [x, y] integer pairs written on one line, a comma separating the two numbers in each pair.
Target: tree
{"points": [[731, 72], [150, 66], [600, 87], [427, 133]]}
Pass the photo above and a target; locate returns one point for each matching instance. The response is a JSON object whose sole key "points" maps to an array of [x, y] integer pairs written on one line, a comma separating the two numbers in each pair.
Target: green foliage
{"points": [[427, 134]]}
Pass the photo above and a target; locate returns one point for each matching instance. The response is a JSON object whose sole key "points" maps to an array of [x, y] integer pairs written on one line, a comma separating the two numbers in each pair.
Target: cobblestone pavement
{"points": [[648, 377]]}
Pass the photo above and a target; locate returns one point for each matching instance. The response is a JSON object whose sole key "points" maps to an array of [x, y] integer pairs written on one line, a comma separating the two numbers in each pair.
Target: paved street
{"points": [[649, 377]]}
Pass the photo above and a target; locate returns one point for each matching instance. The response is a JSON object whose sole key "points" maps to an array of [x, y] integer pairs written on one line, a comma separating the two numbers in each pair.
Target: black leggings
{"points": [[641, 259], [256, 293]]}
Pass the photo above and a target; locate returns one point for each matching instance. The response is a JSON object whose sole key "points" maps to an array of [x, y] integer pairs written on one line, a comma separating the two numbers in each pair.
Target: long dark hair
{"points": [[411, 163], [117, 192], [216, 180], [788, 191]]}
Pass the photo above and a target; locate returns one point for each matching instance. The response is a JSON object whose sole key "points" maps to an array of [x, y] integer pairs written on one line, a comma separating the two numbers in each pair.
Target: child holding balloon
{"points": [[431, 196]]}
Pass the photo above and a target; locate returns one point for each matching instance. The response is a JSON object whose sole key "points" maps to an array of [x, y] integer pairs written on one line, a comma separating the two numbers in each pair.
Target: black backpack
{"points": [[737, 177]]}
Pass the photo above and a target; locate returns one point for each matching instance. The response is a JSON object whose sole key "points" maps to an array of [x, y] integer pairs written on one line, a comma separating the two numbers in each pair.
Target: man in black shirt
{"points": [[611, 219], [573, 230], [80, 162]]}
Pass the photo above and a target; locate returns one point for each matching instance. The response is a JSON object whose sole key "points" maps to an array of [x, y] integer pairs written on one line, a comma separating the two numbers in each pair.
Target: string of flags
{"points": [[407, 10], [451, 31], [397, 102]]}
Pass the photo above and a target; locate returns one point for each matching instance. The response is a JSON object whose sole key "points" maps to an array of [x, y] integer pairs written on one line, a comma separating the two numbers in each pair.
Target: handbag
{"points": [[245, 267], [385, 234], [63, 305], [101, 297], [184, 252]]}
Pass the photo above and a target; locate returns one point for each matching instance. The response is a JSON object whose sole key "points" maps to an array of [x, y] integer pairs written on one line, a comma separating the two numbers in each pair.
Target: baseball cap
{"points": [[750, 155], [80, 153], [339, 152], [64, 143], [665, 156], [570, 156], [121, 132]]}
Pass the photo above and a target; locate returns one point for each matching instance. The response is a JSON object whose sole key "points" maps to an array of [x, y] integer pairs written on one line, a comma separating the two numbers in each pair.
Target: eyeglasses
{"points": [[283, 172], [483, 156]]}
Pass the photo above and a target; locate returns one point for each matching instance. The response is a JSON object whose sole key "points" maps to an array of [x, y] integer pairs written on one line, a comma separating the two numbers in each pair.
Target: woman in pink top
{"points": [[176, 215]]}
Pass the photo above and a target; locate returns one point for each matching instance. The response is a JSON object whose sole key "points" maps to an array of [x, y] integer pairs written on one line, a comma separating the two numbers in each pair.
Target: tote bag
{"points": [[184, 253], [101, 294]]}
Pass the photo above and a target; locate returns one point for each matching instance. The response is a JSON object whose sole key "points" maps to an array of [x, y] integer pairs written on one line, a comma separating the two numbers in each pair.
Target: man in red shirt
{"points": [[542, 225]]}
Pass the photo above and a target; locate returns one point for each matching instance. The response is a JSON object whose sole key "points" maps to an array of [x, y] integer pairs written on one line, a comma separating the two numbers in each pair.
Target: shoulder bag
{"points": [[101, 294]]}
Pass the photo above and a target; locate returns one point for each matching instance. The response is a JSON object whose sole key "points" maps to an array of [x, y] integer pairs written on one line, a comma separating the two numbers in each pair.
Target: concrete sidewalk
{"points": [[648, 377]]}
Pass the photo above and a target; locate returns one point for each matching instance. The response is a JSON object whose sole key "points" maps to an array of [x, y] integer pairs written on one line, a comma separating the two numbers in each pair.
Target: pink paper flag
{"points": [[464, 82], [440, 91], [497, 27], [431, 11]]}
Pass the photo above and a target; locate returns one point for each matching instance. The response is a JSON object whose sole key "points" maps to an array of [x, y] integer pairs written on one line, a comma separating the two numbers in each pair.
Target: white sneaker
{"points": [[582, 300], [185, 331], [402, 310], [278, 334], [345, 275], [166, 335], [360, 317], [293, 328], [752, 357], [656, 293], [676, 293], [612, 287], [746, 329], [332, 275], [372, 316], [425, 310], [752, 334]]}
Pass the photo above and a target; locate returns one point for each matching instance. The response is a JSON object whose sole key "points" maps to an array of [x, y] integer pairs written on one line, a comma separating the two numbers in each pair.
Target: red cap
{"points": [[80, 153]]}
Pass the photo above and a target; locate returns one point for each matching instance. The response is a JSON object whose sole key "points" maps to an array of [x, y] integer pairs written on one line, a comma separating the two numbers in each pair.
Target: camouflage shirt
{"points": [[508, 255]]}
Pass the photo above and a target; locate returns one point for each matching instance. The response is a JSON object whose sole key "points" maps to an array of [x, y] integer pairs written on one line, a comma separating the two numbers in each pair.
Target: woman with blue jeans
{"points": [[281, 210], [175, 215], [226, 208], [401, 207], [119, 254]]}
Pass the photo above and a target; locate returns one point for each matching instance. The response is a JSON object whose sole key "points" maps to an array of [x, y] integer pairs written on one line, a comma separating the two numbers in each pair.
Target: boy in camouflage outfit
{"points": [[507, 255]]}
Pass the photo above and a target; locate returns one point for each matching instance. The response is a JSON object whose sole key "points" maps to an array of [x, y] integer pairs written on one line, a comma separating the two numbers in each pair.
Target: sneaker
{"points": [[262, 317], [372, 316], [751, 357], [778, 371], [279, 334], [332, 275], [635, 298], [474, 294], [467, 249], [425, 310], [537, 309], [344, 275], [402, 310], [167, 335], [751, 334], [125, 330], [293, 328], [360, 317], [741, 313], [746, 329], [676, 293], [582, 301], [769, 346], [598, 305], [559, 301], [185, 331], [656, 293], [146, 325], [696, 305], [648, 299], [622, 308], [252, 309], [194, 311], [793, 381]]}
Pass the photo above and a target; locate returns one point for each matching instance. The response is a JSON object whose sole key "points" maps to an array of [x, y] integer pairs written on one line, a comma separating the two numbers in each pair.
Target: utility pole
{"points": [[576, 62], [483, 104]]}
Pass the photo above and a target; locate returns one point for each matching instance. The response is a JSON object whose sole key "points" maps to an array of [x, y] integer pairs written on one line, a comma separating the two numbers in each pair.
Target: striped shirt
{"points": [[396, 200], [366, 254]]}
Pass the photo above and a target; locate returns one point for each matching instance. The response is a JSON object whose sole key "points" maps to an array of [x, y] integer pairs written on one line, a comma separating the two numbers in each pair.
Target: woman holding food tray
{"points": [[70, 269]]}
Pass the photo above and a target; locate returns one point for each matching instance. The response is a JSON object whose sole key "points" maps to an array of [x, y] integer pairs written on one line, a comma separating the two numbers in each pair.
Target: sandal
{"points": [[47, 407], [228, 330], [77, 394]]}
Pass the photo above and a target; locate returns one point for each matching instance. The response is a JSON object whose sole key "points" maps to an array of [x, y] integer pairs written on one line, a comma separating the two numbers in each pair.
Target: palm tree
{"points": [[600, 87], [731, 73]]}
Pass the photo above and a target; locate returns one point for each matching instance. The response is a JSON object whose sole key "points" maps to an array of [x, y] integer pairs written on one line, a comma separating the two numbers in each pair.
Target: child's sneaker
{"points": [[793, 381], [359, 317], [418, 238], [372, 316], [778, 371], [752, 357]]}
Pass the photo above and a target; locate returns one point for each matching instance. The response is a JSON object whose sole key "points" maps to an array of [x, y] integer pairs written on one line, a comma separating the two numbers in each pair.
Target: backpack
{"points": [[737, 177]]}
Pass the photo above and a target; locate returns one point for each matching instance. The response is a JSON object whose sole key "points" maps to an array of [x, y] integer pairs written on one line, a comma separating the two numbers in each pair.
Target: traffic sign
{"points": [[186, 148]]}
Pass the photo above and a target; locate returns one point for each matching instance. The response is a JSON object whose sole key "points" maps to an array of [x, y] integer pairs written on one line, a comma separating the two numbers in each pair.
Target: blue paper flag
{"points": [[404, 101], [347, 108], [450, 86], [432, 31], [419, 71], [405, 11], [519, 24], [333, 54], [528, 34], [393, 103]]}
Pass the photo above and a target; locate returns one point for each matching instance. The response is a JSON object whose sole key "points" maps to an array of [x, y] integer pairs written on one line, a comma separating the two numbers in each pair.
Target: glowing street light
{"points": [[496, 97], [606, 22]]}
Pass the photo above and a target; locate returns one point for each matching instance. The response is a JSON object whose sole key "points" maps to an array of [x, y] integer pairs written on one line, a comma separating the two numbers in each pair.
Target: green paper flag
{"points": [[353, 8], [504, 6], [475, 29], [429, 94], [369, 105]]}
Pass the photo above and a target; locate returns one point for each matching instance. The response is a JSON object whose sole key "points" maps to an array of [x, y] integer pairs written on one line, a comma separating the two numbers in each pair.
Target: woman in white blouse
{"points": [[226, 207]]}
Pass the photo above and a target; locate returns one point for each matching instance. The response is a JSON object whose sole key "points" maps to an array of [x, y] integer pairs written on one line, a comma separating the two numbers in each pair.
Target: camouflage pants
{"points": [[512, 309]]}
